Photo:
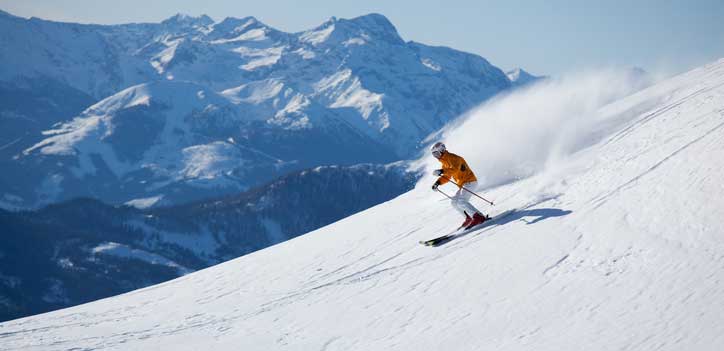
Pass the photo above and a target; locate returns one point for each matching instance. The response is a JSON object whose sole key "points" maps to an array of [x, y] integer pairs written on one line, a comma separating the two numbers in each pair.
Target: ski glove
{"points": [[434, 186], [437, 172]]}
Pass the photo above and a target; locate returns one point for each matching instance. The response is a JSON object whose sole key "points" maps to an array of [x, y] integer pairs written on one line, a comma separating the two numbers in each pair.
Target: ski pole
{"points": [[442, 192], [468, 190]]}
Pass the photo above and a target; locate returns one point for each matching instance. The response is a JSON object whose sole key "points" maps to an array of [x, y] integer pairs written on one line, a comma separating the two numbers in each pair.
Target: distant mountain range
{"points": [[164, 113]]}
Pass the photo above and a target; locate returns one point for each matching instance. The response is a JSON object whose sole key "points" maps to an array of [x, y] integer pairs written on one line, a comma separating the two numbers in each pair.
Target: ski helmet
{"points": [[438, 149]]}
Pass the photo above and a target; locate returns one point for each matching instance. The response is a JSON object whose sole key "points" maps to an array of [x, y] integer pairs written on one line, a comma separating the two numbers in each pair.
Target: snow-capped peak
{"points": [[516, 74], [236, 29], [238, 25], [519, 77], [368, 27], [375, 23], [186, 20]]}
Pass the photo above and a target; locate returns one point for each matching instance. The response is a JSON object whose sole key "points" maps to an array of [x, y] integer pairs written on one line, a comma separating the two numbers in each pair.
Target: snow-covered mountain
{"points": [[170, 140], [618, 246], [83, 250], [519, 77], [190, 108]]}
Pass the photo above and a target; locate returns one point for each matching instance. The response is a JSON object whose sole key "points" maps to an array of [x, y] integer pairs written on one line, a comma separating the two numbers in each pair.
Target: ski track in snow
{"points": [[619, 248]]}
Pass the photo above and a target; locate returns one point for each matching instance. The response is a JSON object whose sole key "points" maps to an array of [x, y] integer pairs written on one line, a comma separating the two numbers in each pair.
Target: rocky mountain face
{"points": [[164, 113]]}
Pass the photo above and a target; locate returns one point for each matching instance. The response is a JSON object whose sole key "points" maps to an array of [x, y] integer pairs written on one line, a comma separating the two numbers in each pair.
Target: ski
{"points": [[439, 240], [462, 232]]}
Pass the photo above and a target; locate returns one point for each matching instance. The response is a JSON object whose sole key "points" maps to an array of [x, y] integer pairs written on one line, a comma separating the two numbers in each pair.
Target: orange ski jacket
{"points": [[455, 167]]}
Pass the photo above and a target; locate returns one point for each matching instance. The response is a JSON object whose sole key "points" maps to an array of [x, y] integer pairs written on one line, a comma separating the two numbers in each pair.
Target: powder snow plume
{"points": [[527, 131]]}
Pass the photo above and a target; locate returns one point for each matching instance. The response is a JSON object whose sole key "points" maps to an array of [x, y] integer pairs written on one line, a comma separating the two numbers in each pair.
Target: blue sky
{"points": [[544, 37]]}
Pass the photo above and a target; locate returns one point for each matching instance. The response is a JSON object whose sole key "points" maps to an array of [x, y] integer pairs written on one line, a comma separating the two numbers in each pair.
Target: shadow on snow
{"points": [[539, 214]]}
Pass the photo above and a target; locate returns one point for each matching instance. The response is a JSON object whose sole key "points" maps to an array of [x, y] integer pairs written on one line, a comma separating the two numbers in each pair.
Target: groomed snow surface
{"points": [[617, 247]]}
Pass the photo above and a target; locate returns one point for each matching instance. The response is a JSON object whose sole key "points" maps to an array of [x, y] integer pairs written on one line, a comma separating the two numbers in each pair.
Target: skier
{"points": [[454, 166]]}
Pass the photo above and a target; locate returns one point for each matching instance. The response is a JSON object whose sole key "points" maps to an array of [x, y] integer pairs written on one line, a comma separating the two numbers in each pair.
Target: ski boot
{"points": [[465, 224], [477, 219]]}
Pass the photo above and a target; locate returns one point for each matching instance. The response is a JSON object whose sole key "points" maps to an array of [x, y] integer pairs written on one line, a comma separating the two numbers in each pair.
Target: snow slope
{"points": [[616, 248], [84, 250]]}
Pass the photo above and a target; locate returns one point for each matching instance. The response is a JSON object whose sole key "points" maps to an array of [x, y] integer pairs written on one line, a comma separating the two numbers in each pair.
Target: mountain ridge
{"points": [[344, 84]]}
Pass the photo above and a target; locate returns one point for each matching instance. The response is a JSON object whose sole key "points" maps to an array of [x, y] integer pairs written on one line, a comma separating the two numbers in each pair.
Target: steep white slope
{"points": [[618, 248]]}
